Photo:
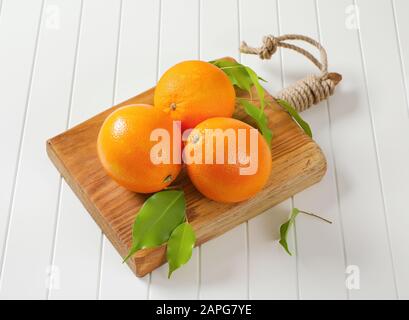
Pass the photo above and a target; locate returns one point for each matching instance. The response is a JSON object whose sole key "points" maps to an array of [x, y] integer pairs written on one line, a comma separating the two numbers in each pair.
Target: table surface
{"points": [[63, 61]]}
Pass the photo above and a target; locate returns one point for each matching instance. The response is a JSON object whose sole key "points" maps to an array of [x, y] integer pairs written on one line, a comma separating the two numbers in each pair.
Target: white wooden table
{"points": [[62, 61]]}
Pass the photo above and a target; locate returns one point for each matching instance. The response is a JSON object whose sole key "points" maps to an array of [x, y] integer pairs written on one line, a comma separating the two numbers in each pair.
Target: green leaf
{"points": [[259, 88], [236, 72], [296, 116], [158, 217], [260, 117], [180, 246], [285, 227], [244, 78]]}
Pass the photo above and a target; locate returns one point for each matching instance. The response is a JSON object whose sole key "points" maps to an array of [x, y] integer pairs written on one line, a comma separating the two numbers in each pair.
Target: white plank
{"points": [[320, 250], [118, 282], [137, 67], [67, 259], [78, 258], [270, 267], [223, 260], [272, 273], [387, 99], [28, 252], [360, 193], [17, 48], [136, 72], [178, 42], [402, 29], [76, 252], [183, 285]]}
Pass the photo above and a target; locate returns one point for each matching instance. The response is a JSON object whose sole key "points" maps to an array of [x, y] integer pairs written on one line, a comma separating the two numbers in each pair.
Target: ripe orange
{"points": [[193, 91], [124, 148], [224, 182]]}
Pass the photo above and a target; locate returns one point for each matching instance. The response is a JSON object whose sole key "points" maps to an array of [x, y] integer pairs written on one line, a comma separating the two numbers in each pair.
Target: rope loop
{"points": [[310, 90]]}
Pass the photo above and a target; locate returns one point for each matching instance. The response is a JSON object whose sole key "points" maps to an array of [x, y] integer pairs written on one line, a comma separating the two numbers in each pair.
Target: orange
{"points": [[225, 181], [124, 148], [193, 91]]}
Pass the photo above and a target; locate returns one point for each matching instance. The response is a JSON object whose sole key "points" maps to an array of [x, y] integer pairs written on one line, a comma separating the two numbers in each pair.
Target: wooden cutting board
{"points": [[297, 164]]}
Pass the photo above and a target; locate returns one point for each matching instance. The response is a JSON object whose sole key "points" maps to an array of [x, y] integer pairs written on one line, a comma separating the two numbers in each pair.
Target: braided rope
{"points": [[310, 90]]}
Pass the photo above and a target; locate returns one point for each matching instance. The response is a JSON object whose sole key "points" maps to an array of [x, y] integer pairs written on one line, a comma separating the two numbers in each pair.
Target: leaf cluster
{"points": [[245, 78], [161, 219]]}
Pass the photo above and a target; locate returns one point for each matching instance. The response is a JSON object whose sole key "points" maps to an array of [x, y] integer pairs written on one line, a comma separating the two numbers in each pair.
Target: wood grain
{"points": [[297, 163]]}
